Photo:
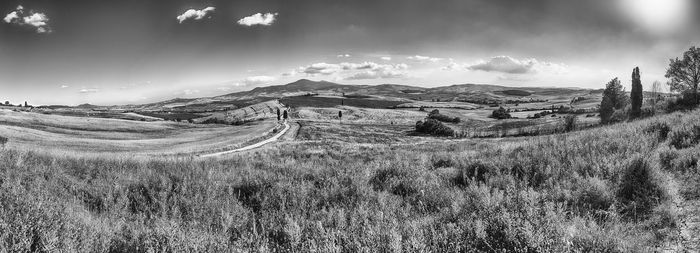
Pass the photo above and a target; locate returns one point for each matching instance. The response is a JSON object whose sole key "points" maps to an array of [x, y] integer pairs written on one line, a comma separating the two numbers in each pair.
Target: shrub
{"points": [[661, 129], [435, 114], [569, 123], [594, 194], [500, 113], [685, 136], [641, 188], [3, 141], [473, 172], [617, 116], [434, 127]]}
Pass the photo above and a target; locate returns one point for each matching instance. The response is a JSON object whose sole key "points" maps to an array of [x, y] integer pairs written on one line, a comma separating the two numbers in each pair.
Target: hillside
{"points": [[462, 92], [572, 192]]}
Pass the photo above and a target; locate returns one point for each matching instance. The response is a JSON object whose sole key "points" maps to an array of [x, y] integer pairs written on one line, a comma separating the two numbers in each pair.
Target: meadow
{"points": [[614, 188], [35, 131]]}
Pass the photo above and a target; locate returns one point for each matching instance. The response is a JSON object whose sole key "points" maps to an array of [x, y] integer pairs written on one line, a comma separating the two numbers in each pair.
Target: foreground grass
{"points": [[610, 189]]}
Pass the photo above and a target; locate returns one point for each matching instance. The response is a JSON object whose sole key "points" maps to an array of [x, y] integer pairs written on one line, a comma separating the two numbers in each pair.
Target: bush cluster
{"points": [[433, 127], [500, 113], [435, 114], [642, 188], [660, 129], [685, 136]]}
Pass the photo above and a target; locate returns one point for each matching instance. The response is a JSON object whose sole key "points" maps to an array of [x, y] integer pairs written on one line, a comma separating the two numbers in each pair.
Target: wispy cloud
{"points": [[88, 90], [258, 80], [343, 56], [510, 65], [356, 71], [193, 14], [258, 19], [385, 58], [424, 58], [64, 86]]}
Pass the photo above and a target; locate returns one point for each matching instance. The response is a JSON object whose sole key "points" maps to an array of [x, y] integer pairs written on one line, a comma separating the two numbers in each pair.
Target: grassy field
{"points": [[610, 189], [99, 135]]}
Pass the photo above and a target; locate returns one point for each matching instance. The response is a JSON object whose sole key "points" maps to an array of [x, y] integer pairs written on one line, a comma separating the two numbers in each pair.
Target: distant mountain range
{"points": [[458, 92]]}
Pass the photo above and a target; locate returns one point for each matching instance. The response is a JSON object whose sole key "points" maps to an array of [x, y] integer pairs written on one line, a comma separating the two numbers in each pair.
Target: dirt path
{"points": [[689, 228], [252, 146]]}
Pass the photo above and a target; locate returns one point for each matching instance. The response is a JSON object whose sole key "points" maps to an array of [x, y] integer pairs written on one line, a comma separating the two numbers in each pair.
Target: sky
{"points": [[139, 51]]}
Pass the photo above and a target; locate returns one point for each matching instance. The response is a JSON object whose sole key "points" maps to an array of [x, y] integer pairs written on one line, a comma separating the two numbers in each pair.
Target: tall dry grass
{"points": [[563, 193]]}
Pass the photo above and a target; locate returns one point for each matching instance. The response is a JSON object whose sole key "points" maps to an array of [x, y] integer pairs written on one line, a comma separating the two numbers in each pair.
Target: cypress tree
{"points": [[636, 94]]}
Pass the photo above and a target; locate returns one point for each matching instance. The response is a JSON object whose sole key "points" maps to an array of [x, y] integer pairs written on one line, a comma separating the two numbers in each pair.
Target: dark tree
{"points": [[636, 95], [278, 114], [684, 74], [285, 115], [340, 114], [500, 113], [614, 98]]}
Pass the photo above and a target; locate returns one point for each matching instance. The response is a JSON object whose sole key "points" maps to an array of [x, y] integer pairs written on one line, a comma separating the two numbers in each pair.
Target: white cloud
{"points": [[386, 58], [190, 92], [510, 65], [196, 14], [380, 71], [343, 56], [258, 19], [258, 80], [424, 58], [35, 19], [356, 71], [11, 17], [292, 72], [64, 86], [86, 90], [321, 68], [452, 65]]}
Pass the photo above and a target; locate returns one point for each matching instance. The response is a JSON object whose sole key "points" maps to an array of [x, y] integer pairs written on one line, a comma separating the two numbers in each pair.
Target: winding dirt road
{"points": [[252, 146]]}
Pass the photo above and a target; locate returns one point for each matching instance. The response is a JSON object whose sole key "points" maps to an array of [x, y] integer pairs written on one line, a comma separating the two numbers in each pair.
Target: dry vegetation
{"points": [[99, 135], [611, 189]]}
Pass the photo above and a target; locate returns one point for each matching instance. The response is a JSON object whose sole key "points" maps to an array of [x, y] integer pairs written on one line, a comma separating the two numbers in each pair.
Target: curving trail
{"points": [[252, 146]]}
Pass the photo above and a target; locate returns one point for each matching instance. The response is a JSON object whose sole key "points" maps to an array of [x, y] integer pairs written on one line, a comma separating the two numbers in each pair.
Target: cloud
{"points": [[258, 80], [510, 65], [11, 17], [380, 71], [343, 56], [424, 58], [385, 58], [292, 72], [189, 92], [452, 65], [86, 90], [193, 14], [64, 86], [356, 71], [37, 20], [258, 19], [321, 68]]}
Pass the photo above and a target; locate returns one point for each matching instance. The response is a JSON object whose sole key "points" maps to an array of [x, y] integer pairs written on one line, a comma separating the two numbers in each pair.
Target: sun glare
{"points": [[658, 16]]}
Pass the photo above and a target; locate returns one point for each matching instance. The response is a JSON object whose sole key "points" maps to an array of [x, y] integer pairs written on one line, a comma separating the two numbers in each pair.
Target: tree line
{"points": [[684, 77]]}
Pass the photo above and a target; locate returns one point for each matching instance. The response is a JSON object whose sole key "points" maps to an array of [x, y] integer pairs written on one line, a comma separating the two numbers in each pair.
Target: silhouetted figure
{"points": [[285, 115], [340, 114], [279, 117]]}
